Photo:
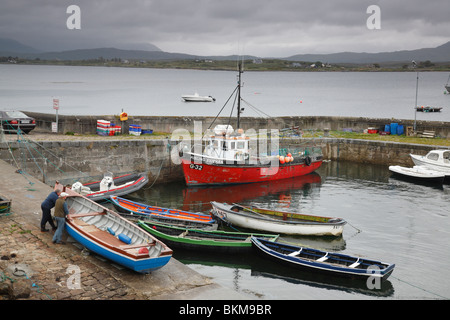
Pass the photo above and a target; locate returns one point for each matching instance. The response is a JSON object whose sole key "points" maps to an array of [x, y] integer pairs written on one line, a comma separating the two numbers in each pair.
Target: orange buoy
{"points": [[281, 159]]}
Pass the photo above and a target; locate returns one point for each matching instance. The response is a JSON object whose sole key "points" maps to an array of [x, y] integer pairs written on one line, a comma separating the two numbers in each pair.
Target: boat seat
{"points": [[355, 264], [322, 259], [295, 253], [135, 246]]}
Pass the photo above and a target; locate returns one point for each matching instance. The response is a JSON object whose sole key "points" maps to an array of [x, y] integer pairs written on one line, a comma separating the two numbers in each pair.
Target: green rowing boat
{"points": [[204, 240]]}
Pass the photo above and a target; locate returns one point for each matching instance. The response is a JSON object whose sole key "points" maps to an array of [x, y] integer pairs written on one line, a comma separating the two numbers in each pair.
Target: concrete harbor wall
{"points": [[70, 161], [87, 124], [84, 161]]}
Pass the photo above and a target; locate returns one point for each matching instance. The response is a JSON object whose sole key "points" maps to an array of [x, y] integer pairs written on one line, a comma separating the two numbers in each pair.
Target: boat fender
{"points": [[143, 250], [124, 238], [308, 161], [111, 231]]}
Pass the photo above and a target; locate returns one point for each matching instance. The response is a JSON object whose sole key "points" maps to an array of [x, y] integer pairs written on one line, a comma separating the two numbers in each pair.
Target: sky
{"points": [[264, 28]]}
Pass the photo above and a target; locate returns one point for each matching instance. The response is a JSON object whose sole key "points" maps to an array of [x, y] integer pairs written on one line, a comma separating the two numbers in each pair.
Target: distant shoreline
{"points": [[228, 65]]}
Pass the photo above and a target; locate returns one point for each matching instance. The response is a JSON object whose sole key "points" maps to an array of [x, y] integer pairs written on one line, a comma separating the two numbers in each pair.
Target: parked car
{"points": [[12, 120]]}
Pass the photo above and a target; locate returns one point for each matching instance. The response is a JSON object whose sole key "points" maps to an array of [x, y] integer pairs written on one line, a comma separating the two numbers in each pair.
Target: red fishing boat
{"points": [[228, 157]]}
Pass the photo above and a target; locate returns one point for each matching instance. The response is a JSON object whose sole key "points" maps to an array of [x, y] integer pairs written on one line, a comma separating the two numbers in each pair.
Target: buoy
{"points": [[281, 159], [289, 154], [143, 250]]}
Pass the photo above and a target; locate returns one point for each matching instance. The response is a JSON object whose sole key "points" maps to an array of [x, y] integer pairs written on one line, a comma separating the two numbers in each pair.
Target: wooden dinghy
{"points": [[109, 235], [278, 222], [321, 261], [158, 213], [203, 240], [110, 185]]}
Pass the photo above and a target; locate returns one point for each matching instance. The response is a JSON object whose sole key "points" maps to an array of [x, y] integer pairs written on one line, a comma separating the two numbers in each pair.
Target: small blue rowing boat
{"points": [[328, 262], [106, 233]]}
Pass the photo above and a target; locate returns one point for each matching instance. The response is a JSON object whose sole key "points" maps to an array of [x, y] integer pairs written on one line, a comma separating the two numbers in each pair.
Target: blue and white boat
{"points": [[328, 262], [106, 233]]}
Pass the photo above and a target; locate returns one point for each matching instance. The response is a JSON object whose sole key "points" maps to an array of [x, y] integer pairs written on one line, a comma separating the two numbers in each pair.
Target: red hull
{"points": [[210, 174]]}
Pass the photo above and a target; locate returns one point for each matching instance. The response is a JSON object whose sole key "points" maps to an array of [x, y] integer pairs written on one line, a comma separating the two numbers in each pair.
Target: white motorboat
{"points": [[197, 98], [438, 160], [421, 173]]}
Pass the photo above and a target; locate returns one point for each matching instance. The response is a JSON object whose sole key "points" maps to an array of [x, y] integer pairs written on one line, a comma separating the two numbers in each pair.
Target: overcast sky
{"points": [[265, 28]]}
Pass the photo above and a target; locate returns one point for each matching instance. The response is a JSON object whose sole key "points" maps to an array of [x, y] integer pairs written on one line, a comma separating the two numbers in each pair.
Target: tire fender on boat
{"points": [[308, 161]]}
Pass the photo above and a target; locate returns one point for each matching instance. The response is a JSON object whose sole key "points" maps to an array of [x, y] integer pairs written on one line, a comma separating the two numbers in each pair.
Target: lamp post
{"points": [[417, 89]]}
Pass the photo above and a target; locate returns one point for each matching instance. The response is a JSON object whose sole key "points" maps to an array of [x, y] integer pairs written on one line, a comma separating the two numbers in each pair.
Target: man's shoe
{"points": [[44, 230]]}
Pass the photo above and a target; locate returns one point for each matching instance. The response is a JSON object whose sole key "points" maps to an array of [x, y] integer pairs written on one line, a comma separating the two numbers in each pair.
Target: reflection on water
{"points": [[388, 219]]}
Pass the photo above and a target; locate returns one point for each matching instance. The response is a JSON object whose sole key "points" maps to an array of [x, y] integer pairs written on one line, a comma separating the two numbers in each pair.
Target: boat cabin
{"points": [[442, 156], [227, 144]]}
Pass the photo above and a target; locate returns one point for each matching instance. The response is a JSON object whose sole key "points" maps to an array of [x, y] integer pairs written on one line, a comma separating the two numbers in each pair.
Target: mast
{"points": [[239, 96]]}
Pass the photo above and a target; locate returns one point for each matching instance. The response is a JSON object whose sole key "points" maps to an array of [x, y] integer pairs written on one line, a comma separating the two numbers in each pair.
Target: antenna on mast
{"points": [[239, 96]]}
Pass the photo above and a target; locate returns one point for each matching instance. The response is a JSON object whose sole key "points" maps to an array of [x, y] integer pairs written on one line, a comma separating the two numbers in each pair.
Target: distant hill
{"points": [[438, 54], [106, 53], [13, 48]]}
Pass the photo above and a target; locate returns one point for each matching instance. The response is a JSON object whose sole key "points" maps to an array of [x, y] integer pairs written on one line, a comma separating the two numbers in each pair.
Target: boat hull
{"points": [[158, 213], [125, 184], [220, 174], [264, 224], [139, 265], [418, 173], [314, 260], [200, 240]]}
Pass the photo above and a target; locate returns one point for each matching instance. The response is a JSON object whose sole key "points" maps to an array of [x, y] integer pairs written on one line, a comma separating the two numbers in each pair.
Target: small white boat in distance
{"points": [[438, 160], [422, 173], [197, 98]]}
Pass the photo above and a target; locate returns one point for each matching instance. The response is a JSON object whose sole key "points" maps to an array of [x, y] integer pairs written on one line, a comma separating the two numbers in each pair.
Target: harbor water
{"points": [[388, 219], [157, 92], [391, 220]]}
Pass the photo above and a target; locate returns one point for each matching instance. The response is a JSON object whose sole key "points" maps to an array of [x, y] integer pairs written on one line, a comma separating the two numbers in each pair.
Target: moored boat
{"points": [[322, 261], [419, 173], [159, 213], [438, 160], [428, 109], [277, 221], [110, 185], [197, 98], [106, 233], [231, 157], [202, 240]]}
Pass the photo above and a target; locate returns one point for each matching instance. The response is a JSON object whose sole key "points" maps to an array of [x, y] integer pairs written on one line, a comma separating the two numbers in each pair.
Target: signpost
{"points": [[56, 107]]}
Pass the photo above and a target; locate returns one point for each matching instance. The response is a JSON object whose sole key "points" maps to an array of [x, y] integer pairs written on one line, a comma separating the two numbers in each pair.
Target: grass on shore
{"points": [[437, 141]]}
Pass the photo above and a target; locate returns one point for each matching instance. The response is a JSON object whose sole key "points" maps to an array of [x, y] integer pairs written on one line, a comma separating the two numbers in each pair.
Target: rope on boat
{"points": [[412, 285]]}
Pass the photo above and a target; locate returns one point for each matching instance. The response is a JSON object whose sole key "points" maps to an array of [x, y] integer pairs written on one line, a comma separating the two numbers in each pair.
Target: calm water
{"points": [[101, 90], [391, 220], [388, 219]]}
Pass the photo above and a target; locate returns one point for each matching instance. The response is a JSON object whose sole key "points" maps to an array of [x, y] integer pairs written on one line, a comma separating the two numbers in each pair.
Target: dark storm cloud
{"points": [[207, 27]]}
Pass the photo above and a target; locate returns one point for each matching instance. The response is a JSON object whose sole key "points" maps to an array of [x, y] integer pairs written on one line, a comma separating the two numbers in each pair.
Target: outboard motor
{"points": [[80, 189], [107, 183]]}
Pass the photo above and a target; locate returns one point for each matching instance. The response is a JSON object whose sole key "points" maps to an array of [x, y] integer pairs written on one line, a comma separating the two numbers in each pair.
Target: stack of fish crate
{"points": [[103, 127], [135, 129], [107, 128]]}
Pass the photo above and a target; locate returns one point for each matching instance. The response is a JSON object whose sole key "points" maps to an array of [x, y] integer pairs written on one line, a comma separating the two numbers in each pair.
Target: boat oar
{"points": [[254, 212]]}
